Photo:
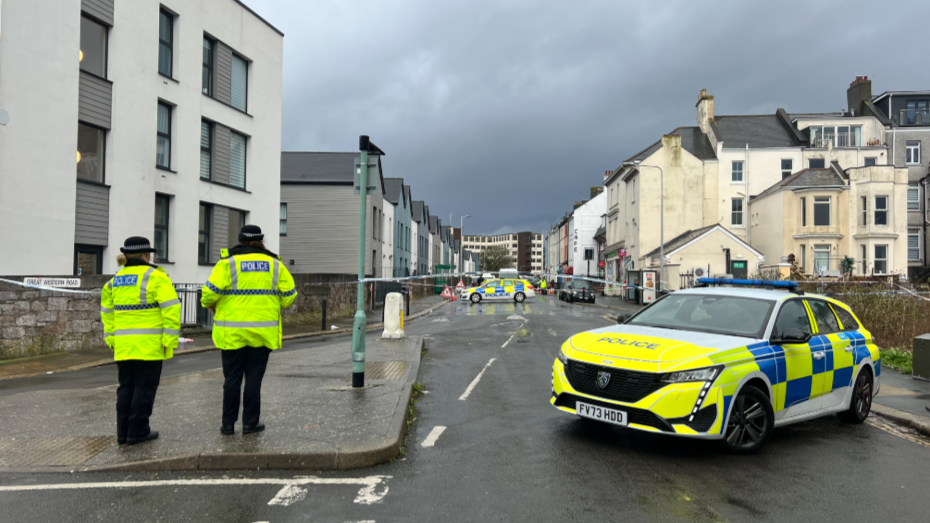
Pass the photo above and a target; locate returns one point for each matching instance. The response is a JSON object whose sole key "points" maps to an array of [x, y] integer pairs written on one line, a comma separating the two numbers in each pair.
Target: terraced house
{"points": [[155, 118]]}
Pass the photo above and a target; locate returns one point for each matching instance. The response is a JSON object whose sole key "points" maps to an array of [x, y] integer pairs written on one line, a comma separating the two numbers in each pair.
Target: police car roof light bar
{"points": [[790, 286]]}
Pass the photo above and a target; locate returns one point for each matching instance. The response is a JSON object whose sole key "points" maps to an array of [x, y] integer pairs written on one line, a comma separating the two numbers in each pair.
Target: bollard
{"points": [[921, 354], [323, 327], [406, 305], [393, 316]]}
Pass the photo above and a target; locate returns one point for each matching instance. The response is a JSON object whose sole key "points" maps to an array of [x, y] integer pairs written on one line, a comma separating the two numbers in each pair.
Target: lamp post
{"points": [[661, 216], [462, 234], [358, 330]]}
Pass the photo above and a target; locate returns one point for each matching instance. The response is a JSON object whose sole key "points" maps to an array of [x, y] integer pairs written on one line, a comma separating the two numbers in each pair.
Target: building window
{"points": [[864, 254], [839, 135], [881, 210], [913, 197], [786, 166], [912, 153], [821, 258], [803, 259], [240, 82], [821, 211], [161, 226], [864, 202], [816, 163], [163, 146], [235, 224], [208, 66], [206, 149], [203, 242], [165, 42], [881, 259], [237, 160], [803, 212], [736, 212], [93, 53], [870, 161], [737, 172], [90, 153], [913, 244]]}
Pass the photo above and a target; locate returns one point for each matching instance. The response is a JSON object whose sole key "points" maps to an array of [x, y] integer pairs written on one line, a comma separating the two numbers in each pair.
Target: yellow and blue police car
{"points": [[728, 360], [500, 289]]}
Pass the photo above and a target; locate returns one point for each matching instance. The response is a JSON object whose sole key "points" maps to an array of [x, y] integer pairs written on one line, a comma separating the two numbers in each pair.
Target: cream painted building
{"points": [[822, 215]]}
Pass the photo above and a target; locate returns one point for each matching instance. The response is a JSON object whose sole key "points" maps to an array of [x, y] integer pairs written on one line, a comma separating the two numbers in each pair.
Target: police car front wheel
{"points": [[750, 423], [519, 297]]}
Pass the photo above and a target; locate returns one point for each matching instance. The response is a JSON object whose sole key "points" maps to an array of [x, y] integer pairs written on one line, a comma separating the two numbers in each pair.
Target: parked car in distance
{"points": [[578, 290]]}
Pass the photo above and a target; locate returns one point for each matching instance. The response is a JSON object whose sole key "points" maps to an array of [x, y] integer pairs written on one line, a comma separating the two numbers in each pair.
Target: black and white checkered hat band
{"points": [[251, 235], [139, 247]]}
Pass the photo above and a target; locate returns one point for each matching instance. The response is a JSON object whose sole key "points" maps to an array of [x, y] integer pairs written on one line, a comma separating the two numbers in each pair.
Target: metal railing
{"points": [[192, 314], [848, 139], [912, 117]]}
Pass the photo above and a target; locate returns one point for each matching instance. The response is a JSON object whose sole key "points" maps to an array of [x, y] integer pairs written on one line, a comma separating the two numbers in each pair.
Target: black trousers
{"points": [[250, 362], [135, 396]]}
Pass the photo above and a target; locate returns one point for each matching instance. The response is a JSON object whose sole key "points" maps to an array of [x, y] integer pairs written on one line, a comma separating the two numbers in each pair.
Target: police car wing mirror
{"points": [[623, 317], [791, 336]]}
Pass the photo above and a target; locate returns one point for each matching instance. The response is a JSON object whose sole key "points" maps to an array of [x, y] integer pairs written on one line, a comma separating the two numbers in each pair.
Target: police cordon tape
{"points": [[46, 288]]}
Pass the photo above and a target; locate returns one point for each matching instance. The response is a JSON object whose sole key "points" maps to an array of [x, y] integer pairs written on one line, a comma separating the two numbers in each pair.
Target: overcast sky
{"points": [[510, 110]]}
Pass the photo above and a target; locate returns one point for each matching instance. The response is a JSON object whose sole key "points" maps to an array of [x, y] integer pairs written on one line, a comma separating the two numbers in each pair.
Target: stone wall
{"points": [[34, 322]]}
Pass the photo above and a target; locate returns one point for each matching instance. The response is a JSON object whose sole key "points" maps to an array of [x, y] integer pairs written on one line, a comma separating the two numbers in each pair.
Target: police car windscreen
{"points": [[731, 315]]}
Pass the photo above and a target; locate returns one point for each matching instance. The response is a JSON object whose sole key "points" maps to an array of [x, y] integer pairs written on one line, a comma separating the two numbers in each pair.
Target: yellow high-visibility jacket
{"points": [[543, 284], [249, 289], [141, 314]]}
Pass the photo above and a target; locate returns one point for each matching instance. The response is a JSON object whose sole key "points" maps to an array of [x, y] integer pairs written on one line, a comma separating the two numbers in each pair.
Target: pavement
{"points": [[77, 360], [904, 399], [485, 445], [315, 419]]}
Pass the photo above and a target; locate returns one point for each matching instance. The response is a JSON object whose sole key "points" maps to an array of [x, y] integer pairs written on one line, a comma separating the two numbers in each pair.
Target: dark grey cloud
{"points": [[510, 110]]}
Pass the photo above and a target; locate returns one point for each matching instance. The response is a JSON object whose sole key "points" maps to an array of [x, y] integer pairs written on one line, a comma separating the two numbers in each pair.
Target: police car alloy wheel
{"points": [[476, 298], [519, 297], [860, 404], [750, 423]]}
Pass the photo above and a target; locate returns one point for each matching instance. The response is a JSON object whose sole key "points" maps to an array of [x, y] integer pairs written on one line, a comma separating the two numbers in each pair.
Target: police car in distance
{"points": [[723, 363], [500, 289]]}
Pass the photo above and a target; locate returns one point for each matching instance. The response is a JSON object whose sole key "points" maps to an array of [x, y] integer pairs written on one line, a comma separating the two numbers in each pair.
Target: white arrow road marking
{"points": [[288, 495], [504, 346], [552, 332], [515, 317], [475, 381], [433, 436], [366, 494]]}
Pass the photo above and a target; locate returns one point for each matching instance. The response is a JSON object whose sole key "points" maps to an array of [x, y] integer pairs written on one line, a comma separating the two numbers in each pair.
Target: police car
{"points": [[500, 289], [727, 363]]}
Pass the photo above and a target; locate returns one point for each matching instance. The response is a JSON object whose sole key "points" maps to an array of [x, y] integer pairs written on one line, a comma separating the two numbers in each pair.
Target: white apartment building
{"points": [[526, 248], [586, 220], [387, 242], [152, 118]]}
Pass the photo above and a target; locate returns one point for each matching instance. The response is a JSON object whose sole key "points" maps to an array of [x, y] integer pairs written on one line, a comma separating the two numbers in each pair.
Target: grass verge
{"points": [[900, 360]]}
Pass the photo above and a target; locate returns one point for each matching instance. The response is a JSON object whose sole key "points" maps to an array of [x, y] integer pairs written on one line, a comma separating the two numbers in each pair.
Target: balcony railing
{"points": [[849, 139], [912, 117]]}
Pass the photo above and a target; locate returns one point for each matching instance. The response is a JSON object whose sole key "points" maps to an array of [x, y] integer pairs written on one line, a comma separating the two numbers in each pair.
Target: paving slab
{"points": [[315, 420]]}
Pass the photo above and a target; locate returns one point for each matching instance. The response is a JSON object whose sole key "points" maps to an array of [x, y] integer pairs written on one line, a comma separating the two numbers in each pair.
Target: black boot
{"points": [[254, 428], [226, 430], [149, 437], [122, 430]]}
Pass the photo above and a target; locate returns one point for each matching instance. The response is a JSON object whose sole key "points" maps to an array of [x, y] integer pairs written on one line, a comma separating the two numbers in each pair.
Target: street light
{"points": [[462, 234], [661, 215]]}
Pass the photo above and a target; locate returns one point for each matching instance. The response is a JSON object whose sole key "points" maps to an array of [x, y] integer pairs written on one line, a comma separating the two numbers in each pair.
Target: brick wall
{"points": [[34, 322]]}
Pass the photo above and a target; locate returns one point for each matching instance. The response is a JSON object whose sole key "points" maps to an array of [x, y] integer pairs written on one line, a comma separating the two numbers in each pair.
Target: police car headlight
{"points": [[705, 374], [562, 356]]}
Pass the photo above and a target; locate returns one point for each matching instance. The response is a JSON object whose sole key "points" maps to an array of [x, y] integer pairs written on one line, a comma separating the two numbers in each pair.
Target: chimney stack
{"points": [[859, 92], [705, 110], [597, 189]]}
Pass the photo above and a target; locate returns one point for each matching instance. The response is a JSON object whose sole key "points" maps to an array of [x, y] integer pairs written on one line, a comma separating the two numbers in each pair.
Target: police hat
{"points": [[136, 245], [251, 233]]}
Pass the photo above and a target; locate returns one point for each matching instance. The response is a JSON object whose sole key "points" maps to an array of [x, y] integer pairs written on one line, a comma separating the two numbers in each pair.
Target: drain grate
{"points": [[384, 370], [50, 452]]}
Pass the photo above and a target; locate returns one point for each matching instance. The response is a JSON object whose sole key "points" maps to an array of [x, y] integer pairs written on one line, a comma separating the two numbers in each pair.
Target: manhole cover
{"points": [[384, 370], [50, 452]]}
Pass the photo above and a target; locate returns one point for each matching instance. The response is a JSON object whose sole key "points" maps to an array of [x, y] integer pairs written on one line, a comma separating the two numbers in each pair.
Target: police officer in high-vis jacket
{"points": [[141, 323], [247, 290]]}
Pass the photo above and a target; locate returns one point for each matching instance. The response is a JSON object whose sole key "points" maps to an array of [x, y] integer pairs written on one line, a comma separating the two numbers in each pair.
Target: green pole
{"points": [[358, 331]]}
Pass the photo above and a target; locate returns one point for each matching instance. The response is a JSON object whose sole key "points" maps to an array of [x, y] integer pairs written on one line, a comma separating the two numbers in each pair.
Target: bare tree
{"points": [[496, 258]]}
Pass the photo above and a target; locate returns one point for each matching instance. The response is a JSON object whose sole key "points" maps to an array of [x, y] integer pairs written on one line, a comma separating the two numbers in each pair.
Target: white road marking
{"points": [[504, 346], [516, 317], [288, 495], [433, 435], [552, 332], [366, 495], [475, 381]]}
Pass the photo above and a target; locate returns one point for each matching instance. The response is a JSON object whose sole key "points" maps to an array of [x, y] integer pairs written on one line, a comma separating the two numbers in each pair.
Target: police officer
{"points": [[141, 322], [247, 290], [543, 285]]}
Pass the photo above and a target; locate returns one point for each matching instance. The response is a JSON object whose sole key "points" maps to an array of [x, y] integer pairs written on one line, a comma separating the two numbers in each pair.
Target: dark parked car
{"points": [[578, 290]]}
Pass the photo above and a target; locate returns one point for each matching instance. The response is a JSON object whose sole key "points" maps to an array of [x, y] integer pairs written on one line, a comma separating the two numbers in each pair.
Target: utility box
{"points": [[393, 316], [922, 356]]}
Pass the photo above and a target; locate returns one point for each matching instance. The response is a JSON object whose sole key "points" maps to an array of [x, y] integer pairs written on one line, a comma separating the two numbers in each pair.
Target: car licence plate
{"points": [[617, 417]]}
